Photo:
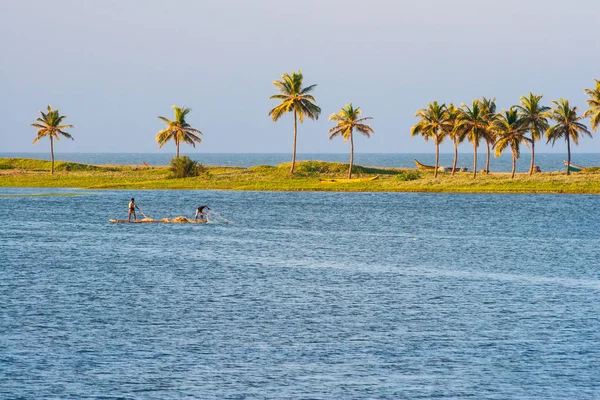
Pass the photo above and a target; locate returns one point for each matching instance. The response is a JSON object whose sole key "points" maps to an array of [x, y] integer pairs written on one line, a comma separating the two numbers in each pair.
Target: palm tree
{"points": [[178, 130], [297, 99], [594, 103], [567, 126], [510, 132], [534, 118], [49, 124], [454, 132], [347, 120], [433, 124], [489, 108], [474, 122]]}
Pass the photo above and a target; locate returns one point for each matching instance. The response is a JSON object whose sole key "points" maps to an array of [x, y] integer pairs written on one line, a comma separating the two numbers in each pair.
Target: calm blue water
{"points": [[547, 162], [304, 296]]}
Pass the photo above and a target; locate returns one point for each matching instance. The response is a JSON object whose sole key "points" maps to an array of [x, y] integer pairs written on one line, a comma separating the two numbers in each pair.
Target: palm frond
{"points": [[281, 109], [364, 129], [280, 97], [307, 90], [336, 131], [65, 134], [163, 137]]}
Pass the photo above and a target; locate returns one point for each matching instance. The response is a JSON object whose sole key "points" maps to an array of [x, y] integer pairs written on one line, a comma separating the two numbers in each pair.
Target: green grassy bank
{"points": [[17, 172]]}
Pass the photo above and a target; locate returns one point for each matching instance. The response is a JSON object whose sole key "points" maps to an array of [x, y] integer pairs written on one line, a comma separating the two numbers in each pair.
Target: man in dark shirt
{"points": [[201, 213]]}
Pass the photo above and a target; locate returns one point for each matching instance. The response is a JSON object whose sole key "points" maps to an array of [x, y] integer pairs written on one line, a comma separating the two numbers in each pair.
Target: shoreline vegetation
{"points": [[479, 123], [33, 173]]}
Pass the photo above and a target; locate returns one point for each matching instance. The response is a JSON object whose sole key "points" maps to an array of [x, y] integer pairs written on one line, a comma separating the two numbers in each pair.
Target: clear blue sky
{"points": [[112, 66]]}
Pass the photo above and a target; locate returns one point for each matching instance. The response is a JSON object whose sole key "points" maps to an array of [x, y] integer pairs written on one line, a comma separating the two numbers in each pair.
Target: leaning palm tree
{"points": [[454, 131], [510, 132], [534, 117], [49, 124], [567, 126], [594, 103], [434, 125], [474, 122], [294, 98], [347, 120], [178, 130], [489, 109]]}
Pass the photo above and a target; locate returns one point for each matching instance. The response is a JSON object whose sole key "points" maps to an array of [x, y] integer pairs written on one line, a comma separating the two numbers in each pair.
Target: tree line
{"points": [[477, 123], [526, 123]]}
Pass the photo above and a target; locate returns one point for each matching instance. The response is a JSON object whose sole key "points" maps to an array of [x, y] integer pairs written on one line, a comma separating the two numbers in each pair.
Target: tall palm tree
{"points": [[534, 117], [347, 120], [178, 130], [594, 103], [434, 125], [489, 108], [454, 131], [567, 126], [475, 123], [294, 98], [510, 132], [50, 124]]}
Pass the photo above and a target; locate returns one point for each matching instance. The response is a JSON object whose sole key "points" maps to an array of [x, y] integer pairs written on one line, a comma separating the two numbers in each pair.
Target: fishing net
{"points": [[214, 216]]}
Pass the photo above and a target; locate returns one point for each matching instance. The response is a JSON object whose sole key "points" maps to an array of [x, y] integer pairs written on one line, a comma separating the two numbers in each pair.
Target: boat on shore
{"points": [[178, 220], [573, 167], [348, 180], [423, 166], [440, 169]]}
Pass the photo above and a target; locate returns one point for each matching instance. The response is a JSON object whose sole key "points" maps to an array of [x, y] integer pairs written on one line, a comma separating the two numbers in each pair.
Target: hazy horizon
{"points": [[111, 67]]}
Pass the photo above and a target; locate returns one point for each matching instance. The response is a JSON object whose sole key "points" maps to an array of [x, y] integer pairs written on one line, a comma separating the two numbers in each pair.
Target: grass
{"points": [[18, 172]]}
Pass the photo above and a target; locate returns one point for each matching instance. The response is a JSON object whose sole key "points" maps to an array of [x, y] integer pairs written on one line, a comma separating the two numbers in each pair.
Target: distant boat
{"points": [[441, 169], [573, 167], [349, 180], [423, 166]]}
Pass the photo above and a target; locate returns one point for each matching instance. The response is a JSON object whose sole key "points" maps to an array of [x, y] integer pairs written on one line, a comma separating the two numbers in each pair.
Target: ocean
{"points": [[289, 295]]}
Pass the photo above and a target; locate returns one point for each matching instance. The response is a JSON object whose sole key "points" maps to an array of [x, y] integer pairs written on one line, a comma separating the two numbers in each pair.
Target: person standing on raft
{"points": [[200, 212], [132, 207]]}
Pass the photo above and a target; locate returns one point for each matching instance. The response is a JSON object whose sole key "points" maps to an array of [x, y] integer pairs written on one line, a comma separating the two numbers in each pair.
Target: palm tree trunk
{"points": [[532, 157], [514, 166], [52, 154], [176, 148], [568, 155], [487, 160], [294, 150], [351, 154], [455, 157], [474, 161], [437, 157]]}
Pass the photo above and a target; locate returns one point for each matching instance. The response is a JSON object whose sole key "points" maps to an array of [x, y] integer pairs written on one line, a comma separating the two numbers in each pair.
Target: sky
{"points": [[113, 66]]}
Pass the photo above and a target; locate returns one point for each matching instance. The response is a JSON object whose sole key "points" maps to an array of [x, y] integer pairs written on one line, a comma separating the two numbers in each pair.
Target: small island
{"points": [[308, 176]]}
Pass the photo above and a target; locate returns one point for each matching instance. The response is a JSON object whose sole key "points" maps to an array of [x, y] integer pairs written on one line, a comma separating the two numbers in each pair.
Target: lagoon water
{"points": [[303, 296], [547, 162]]}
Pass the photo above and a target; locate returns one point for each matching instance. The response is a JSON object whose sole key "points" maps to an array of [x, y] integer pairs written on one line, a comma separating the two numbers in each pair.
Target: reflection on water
{"points": [[304, 295]]}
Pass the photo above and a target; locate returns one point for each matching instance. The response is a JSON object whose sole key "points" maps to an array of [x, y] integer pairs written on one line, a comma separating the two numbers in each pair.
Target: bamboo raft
{"points": [[178, 220]]}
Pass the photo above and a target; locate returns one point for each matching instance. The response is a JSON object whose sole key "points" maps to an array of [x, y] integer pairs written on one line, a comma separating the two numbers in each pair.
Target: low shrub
{"points": [[320, 167], [592, 170], [404, 176], [185, 167], [71, 166]]}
